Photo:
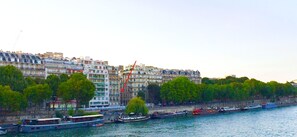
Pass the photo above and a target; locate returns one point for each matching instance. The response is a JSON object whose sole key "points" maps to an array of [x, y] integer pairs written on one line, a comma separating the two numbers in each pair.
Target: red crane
{"points": [[126, 81]]}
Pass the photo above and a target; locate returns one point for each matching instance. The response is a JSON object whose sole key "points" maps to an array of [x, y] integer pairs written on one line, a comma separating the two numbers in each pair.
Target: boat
{"points": [[161, 115], [252, 107], [35, 125], [128, 119], [3, 131], [228, 109], [269, 105], [197, 111]]}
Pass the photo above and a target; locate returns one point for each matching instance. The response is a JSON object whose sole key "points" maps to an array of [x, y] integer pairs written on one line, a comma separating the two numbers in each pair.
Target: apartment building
{"points": [[30, 65], [140, 78], [170, 74], [96, 71], [114, 84], [54, 66], [52, 55]]}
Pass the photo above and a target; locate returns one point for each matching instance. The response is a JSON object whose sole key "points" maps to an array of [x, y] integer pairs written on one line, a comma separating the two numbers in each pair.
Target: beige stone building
{"points": [[114, 84], [170, 74], [140, 78]]}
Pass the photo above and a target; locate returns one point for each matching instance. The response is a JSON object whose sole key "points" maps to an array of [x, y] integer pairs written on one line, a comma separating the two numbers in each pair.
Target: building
{"points": [[96, 71], [54, 67], [53, 55], [114, 84], [170, 74], [30, 65], [62, 66], [72, 66], [140, 78]]}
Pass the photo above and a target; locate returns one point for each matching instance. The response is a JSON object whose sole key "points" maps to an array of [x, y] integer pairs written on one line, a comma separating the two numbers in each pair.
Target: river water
{"points": [[278, 122]]}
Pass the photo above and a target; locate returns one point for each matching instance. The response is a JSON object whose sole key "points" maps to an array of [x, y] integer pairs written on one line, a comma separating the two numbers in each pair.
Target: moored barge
{"points": [[35, 125]]}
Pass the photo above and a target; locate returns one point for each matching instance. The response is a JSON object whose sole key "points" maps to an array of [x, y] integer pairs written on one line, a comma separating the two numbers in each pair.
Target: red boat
{"points": [[196, 111]]}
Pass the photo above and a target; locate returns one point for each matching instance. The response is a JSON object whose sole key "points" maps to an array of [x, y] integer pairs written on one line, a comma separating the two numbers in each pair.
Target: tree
{"points": [[64, 78], [141, 94], [154, 93], [53, 81], [39, 81], [65, 93], [179, 90], [137, 106], [37, 94], [77, 87], [11, 100], [30, 81], [13, 77], [206, 80]]}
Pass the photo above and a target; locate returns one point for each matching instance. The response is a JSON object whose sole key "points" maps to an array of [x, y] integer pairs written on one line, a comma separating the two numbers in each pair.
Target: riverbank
{"points": [[111, 116]]}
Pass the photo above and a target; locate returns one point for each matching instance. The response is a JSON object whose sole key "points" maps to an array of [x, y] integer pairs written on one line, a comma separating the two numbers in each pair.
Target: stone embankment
{"points": [[282, 102], [16, 117]]}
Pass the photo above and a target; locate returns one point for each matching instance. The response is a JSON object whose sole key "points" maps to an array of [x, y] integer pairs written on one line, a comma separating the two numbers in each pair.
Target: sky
{"points": [[253, 38]]}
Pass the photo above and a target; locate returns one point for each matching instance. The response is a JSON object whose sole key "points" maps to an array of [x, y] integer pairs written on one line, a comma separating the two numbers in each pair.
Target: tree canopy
{"points": [[53, 81], [37, 94], [11, 100], [154, 93], [13, 77], [137, 106], [181, 90], [77, 87]]}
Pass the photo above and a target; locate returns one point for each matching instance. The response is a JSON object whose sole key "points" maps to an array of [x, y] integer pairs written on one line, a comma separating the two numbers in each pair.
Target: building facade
{"points": [[140, 78], [73, 67], [170, 74], [114, 84], [96, 71], [30, 65], [52, 55], [54, 67]]}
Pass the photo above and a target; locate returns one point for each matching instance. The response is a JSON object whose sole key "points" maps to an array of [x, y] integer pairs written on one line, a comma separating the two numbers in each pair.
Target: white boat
{"points": [[229, 109], [132, 119], [252, 107], [3, 131]]}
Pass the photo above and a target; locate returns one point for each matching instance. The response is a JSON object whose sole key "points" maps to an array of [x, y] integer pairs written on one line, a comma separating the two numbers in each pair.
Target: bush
{"points": [[80, 113], [58, 114], [71, 112], [90, 113], [136, 106]]}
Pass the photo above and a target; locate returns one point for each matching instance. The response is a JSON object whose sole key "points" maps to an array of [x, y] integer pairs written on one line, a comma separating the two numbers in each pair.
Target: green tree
{"points": [[30, 81], [208, 93], [13, 77], [154, 93], [141, 94], [37, 94], [137, 106], [65, 93], [53, 81], [77, 87], [39, 81], [179, 90], [11, 100], [64, 78], [206, 80]]}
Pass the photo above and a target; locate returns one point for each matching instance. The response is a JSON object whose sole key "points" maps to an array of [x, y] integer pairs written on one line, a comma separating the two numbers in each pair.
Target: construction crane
{"points": [[16, 40], [127, 79]]}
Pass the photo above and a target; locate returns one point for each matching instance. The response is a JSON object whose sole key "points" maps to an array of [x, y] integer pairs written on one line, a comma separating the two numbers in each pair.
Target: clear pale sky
{"points": [[254, 38]]}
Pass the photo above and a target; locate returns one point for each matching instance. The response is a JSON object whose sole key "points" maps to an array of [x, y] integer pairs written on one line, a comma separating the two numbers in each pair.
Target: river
{"points": [[273, 122]]}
